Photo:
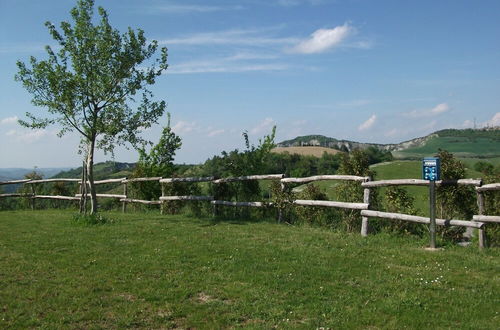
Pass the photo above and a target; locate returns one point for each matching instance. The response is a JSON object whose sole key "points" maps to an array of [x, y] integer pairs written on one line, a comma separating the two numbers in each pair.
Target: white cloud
{"points": [[291, 3], [184, 127], [264, 126], [236, 37], [223, 66], [368, 123], [216, 132], [495, 120], [324, 39], [437, 110], [9, 120], [440, 108], [468, 124], [29, 136], [187, 8]]}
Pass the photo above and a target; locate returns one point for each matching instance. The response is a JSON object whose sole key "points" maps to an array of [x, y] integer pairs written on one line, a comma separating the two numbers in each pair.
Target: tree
{"points": [[90, 84], [158, 162]]}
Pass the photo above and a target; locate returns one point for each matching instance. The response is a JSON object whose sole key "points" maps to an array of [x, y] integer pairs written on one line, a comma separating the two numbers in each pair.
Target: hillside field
{"points": [[306, 151], [483, 147], [151, 271]]}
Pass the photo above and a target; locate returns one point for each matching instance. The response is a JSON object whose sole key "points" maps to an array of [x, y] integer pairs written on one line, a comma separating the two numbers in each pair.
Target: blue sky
{"points": [[374, 71]]}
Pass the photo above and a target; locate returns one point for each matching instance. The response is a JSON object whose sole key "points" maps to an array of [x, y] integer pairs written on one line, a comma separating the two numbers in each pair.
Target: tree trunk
{"points": [[90, 176], [83, 189]]}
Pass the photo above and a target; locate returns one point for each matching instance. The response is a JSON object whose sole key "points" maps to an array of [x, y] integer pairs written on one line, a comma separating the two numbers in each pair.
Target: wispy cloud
{"points": [[264, 126], [224, 65], [291, 3], [182, 127], [494, 121], [437, 110], [368, 123], [440, 108], [216, 132], [29, 136], [323, 40], [9, 120], [176, 8], [236, 37]]}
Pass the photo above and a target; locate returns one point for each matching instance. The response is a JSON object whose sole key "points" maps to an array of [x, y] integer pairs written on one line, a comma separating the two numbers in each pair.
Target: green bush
{"points": [[398, 200], [315, 215]]}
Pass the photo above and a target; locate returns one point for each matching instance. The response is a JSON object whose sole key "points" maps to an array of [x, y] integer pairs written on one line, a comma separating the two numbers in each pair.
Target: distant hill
{"points": [[7, 174], [105, 170], [483, 143]]}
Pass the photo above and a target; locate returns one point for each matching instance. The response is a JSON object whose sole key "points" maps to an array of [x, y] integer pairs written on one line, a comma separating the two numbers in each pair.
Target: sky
{"points": [[368, 71]]}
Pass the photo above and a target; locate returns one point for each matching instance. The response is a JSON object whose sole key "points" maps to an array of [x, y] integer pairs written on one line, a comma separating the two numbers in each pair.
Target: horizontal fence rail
{"points": [[418, 182], [251, 177], [325, 177], [344, 205], [140, 201], [202, 179], [489, 187], [244, 204], [186, 198], [478, 221], [419, 219]]}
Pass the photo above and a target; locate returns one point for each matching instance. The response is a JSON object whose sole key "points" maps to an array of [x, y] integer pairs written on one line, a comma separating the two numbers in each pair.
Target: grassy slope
{"points": [[461, 146], [148, 271]]}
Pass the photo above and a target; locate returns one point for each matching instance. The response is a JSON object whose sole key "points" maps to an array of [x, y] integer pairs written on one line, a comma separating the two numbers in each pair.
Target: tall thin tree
{"points": [[95, 84]]}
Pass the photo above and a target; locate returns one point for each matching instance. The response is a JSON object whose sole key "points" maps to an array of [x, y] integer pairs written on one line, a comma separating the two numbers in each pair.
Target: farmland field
{"points": [[152, 271], [306, 151]]}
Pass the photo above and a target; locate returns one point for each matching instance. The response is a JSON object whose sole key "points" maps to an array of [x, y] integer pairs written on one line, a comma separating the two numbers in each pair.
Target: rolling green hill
{"points": [[463, 143], [466, 143], [105, 170]]}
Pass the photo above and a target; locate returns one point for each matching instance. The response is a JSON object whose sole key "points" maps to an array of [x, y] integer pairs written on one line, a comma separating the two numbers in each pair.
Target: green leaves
{"points": [[90, 83]]}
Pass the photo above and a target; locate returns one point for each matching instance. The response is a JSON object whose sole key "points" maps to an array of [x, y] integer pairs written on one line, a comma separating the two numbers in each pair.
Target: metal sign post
{"points": [[432, 209], [431, 170]]}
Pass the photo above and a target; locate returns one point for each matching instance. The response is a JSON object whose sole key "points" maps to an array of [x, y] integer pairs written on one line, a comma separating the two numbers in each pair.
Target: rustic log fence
{"points": [[477, 222]]}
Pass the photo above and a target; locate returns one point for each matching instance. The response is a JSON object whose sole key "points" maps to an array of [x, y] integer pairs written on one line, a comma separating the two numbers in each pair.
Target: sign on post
{"points": [[431, 170]]}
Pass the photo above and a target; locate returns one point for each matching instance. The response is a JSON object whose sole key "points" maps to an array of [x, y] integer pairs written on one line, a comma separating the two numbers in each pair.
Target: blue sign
{"points": [[431, 169]]}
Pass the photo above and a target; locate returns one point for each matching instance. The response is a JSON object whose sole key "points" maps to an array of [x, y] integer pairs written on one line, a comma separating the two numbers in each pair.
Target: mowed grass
{"points": [[152, 271]]}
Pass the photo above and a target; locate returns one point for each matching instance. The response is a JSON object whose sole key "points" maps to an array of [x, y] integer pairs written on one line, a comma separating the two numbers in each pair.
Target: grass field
{"points": [[151, 271], [460, 146]]}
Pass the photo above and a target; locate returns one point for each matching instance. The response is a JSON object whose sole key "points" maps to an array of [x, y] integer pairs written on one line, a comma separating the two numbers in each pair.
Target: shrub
{"points": [[315, 215], [453, 202], [355, 163], [399, 201]]}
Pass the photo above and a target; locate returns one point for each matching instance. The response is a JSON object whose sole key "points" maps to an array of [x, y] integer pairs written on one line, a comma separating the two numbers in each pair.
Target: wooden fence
{"points": [[477, 222]]}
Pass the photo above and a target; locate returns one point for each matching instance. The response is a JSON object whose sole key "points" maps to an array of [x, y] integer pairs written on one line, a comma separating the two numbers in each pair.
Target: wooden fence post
{"points": [[162, 204], [124, 205], [280, 209], [481, 231], [33, 193], [364, 220]]}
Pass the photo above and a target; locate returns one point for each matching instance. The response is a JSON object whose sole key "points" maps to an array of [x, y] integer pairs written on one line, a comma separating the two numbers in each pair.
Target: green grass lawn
{"points": [[152, 271]]}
